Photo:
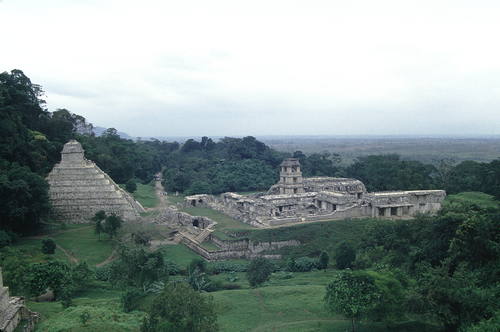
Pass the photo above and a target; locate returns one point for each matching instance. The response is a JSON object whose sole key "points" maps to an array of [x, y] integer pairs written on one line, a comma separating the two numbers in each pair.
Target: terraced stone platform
{"points": [[79, 188]]}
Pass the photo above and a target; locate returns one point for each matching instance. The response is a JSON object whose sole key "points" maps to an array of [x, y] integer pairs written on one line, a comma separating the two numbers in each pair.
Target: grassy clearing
{"points": [[100, 301], [175, 199], [179, 254], [146, 195], [78, 240], [32, 250], [314, 237], [294, 304], [479, 198], [224, 222], [85, 245]]}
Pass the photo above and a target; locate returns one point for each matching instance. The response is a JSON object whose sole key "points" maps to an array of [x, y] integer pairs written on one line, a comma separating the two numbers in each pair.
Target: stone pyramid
{"points": [[79, 188]]}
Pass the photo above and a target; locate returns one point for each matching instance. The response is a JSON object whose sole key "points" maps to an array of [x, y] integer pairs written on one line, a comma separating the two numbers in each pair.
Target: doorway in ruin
{"points": [[394, 211], [196, 223]]}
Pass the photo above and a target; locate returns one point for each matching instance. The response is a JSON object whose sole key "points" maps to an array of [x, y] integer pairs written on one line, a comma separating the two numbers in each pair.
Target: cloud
{"points": [[263, 67]]}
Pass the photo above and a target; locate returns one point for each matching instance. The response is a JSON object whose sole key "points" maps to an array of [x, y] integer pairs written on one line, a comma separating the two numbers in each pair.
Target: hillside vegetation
{"points": [[430, 273]]}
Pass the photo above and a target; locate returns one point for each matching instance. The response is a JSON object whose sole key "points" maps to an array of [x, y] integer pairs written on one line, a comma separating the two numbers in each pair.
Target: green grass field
{"points": [[294, 304], [100, 301], [179, 254], [175, 199], [146, 195], [79, 241], [224, 222]]}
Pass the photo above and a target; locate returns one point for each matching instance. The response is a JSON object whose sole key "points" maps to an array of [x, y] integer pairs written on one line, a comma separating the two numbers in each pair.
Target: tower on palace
{"points": [[291, 181]]}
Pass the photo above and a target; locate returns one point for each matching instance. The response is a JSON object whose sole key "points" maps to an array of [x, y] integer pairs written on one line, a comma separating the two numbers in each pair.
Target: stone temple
{"points": [[296, 199], [79, 189]]}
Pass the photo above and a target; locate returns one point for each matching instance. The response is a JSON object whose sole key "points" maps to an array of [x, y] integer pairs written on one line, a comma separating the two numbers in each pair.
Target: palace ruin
{"points": [[13, 312], [296, 199], [79, 189]]}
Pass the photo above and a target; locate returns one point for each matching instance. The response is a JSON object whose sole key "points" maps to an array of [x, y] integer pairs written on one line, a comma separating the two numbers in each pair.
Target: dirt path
{"points": [[159, 191], [72, 258], [108, 260]]}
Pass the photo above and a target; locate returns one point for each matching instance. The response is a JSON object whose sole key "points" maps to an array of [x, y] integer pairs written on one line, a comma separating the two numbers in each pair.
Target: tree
{"points": [[23, 198], [345, 256], [352, 294], [98, 218], [259, 271], [323, 261], [138, 267], [52, 275], [180, 308], [131, 186], [48, 246], [111, 225]]}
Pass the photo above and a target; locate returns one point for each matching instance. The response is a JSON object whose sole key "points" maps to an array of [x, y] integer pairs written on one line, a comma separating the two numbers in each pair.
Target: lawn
{"points": [[294, 304], [179, 254], [79, 241], [224, 222], [100, 301], [175, 199], [146, 195]]}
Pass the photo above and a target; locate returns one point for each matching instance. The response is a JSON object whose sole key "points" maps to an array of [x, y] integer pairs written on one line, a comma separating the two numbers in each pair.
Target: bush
{"points": [[130, 298], [131, 186], [180, 308], [302, 264], [197, 263], [220, 267], [323, 261], [172, 267], [345, 256], [7, 238], [259, 270], [103, 273], [48, 246]]}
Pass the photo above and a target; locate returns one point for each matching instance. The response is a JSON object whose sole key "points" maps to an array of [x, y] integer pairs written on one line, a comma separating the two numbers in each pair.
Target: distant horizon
{"points": [[263, 68]]}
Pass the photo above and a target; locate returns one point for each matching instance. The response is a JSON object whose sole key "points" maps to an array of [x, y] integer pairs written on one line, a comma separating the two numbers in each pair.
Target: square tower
{"points": [[290, 177]]}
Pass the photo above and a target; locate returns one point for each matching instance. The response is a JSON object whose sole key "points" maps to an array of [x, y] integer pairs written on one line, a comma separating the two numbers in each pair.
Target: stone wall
{"points": [[237, 249], [13, 310]]}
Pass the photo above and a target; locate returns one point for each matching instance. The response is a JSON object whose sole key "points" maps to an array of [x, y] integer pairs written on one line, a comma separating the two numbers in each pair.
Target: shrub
{"points": [[131, 186], [48, 246], [345, 255], [259, 270], [172, 267], [197, 263], [103, 273], [7, 238], [302, 264], [323, 261], [130, 298], [220, 267]]}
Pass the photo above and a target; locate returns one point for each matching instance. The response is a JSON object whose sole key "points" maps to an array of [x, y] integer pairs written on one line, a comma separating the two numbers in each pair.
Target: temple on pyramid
{"points": [[79, 189]]}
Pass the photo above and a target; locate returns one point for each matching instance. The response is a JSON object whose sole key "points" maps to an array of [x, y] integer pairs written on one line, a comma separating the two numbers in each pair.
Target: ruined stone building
{"points": [[13, 311], [295, 199], [79, 189]]}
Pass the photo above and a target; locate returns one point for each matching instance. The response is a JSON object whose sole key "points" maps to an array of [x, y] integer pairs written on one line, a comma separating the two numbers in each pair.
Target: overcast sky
{"points": [[182, 68]]}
